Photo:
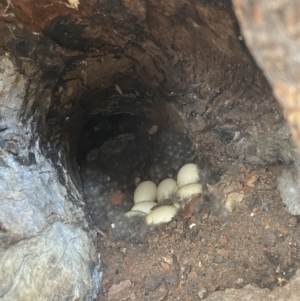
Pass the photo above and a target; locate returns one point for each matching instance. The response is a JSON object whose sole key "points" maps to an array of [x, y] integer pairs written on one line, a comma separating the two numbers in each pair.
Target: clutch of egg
{"points": [[148, 196]]}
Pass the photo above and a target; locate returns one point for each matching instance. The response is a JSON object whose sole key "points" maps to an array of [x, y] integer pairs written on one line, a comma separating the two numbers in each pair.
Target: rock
{"points": [[289, 292], [289, 187], [44, 251], [119, 291], [153, 129]]}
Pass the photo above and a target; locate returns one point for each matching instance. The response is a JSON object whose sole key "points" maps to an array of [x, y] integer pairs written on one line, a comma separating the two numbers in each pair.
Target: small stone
{"points": [[233, 200], [293, 221], [127, 260], [186, 271], [239, 281], [251, 202], [123, 250], [153, 129], [204, 217], [283, 229], [255, 209], [137, 181], [116, 198], [165, 266], [202, 294], [116, 289], [223, 240], [168, 260]]}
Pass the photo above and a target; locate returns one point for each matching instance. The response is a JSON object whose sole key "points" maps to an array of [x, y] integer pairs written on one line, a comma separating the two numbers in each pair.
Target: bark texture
{"points": [[272, 33]]}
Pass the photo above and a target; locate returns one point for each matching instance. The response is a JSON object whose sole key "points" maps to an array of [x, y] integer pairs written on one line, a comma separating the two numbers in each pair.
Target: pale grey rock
{"points": [[289, 187], [263, 147], [47, 250], [46, 266]]}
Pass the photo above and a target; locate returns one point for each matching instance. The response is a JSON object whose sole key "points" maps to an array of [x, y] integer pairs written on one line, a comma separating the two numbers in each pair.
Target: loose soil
{"points": [[209, 249]]}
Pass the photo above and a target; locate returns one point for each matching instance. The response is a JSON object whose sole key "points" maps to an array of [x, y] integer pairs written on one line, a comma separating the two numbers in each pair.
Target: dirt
{"points": [[236, 233], [207, 250]]}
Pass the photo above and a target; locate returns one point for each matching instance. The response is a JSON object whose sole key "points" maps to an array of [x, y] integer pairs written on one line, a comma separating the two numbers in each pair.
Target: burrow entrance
{"points": [[119, 92], [236, 233]]}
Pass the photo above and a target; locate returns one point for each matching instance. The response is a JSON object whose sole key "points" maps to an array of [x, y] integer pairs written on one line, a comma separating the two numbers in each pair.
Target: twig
{"points": [[6, 9], [101, 232]]}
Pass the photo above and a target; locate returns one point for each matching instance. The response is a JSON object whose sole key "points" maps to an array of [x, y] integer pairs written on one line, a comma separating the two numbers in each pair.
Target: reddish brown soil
{"points": [[190, 258]]}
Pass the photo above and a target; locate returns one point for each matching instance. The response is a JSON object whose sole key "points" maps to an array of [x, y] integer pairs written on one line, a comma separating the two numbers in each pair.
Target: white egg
{"points": [[132, 213], [165, 189], [145, 192], [177, 205], [188, 174], [189, 190], [163, 214], [144, 206]]}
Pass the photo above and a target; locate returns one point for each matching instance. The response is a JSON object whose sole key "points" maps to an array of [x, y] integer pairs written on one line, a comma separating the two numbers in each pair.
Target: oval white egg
{"points": [[165, 189], [188, 174], [160, 215], [132, 213], [189, 190], [145, 192], [144, 206]]}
